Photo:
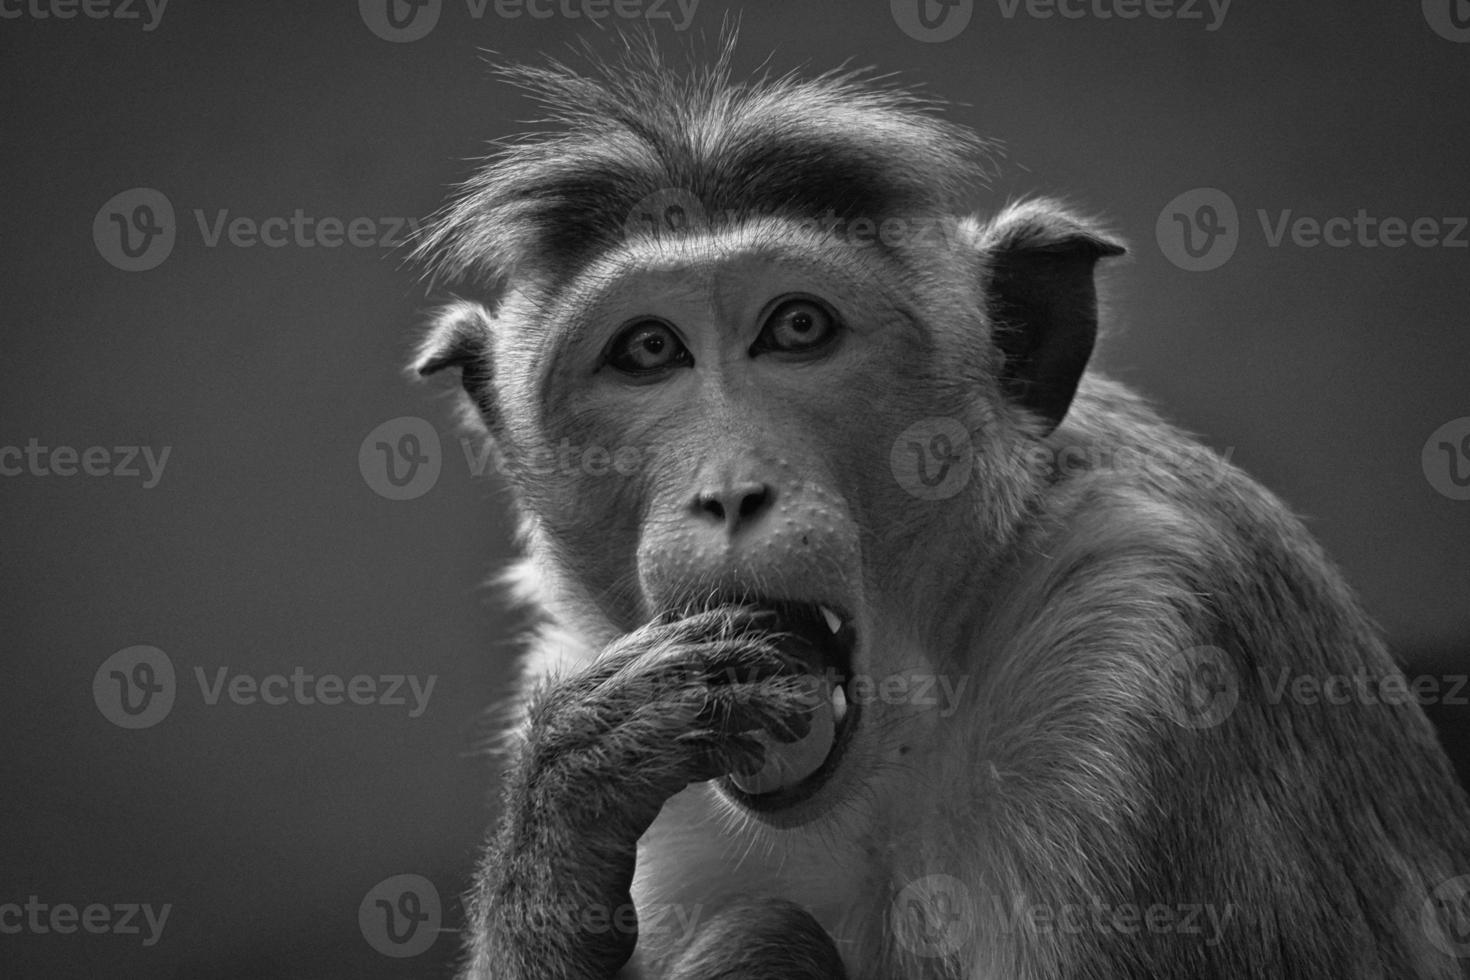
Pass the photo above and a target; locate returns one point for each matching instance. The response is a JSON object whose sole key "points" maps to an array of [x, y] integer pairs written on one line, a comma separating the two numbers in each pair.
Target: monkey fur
{"points": [[1075, 806]]}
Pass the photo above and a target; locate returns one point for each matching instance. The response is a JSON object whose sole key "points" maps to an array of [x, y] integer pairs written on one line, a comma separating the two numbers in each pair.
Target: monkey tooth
{"points": [[834, 622], [839, 703]]}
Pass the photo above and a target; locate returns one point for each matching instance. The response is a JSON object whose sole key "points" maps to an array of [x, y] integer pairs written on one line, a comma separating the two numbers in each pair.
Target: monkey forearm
{"points": [[603, 751], [555, 899]]}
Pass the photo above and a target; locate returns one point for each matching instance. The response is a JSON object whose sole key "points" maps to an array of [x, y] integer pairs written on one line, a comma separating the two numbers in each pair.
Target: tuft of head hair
{"points": [[843, 142]]}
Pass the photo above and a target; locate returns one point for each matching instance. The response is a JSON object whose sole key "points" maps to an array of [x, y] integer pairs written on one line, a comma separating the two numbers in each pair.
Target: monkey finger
{"points": [[783, 708], [714, 754]]}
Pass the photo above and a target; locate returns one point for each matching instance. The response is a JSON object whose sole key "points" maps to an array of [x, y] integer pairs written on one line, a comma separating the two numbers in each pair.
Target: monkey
{"points": [[879, 634]]}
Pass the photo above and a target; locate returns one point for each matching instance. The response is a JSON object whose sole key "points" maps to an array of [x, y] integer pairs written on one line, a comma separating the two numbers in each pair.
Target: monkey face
{"points": [[717, 416]]}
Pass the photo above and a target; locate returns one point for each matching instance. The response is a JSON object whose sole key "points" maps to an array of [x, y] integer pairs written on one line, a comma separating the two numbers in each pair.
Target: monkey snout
{"points": [[785, 544]]}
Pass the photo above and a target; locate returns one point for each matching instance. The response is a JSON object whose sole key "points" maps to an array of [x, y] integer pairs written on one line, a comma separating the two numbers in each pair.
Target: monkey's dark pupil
{"points": [[802, 322], [653, 343]]}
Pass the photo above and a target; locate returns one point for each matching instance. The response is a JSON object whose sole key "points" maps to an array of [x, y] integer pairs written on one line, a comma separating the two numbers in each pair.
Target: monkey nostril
{"points": [[736, 506], [754, 501], [710, 504]]}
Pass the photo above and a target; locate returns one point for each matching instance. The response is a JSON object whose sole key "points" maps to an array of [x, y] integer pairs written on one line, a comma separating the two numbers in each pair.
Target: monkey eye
{"points": [[647, 347], [796, 326]]}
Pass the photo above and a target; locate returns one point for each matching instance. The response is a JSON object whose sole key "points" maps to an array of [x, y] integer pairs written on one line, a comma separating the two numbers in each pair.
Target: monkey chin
{"points": [[784, 790]]}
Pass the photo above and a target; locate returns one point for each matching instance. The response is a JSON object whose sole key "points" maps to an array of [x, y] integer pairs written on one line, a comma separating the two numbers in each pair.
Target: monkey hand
{"points": [[667, 705]]}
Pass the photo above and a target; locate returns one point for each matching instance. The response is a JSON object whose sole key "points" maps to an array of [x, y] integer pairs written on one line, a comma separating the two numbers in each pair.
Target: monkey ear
{"points": [[1042, 301], [460, 335]]}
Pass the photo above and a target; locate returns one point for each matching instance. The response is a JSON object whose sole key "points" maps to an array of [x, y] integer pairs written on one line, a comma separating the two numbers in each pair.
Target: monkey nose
{"points": [[734, 507]]}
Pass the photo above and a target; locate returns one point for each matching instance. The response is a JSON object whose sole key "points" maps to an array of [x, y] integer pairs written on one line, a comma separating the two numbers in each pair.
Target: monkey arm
{"points": [[665, 706]]}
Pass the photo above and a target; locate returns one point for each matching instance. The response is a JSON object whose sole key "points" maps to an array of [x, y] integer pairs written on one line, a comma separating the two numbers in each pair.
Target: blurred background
{"points": [[199, 241]]}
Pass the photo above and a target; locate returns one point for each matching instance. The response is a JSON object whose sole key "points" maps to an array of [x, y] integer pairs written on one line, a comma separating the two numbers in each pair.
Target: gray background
{"points": [[1323, 371]]}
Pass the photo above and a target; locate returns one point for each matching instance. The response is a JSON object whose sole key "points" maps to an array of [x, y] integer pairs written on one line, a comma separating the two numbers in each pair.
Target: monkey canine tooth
{"points": [[834, 622]]}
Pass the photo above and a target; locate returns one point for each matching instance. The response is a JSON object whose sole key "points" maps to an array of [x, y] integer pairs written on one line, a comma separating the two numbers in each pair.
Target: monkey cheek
{"points": [[789, 763]]}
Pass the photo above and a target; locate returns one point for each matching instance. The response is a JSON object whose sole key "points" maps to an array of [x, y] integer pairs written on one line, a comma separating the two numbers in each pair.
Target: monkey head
{"points": [[740, 344]]}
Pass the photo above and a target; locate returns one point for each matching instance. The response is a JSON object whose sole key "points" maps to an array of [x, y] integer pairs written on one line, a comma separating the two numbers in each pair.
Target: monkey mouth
{"points": [[822, 640]]}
